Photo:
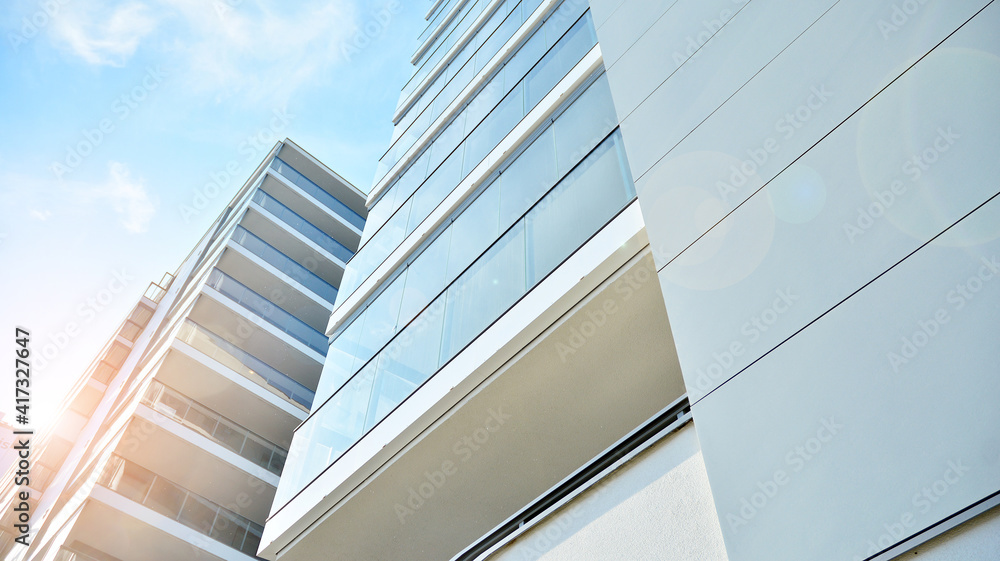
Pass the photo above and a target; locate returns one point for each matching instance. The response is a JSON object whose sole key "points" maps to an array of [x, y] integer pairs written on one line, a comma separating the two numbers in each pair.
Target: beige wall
{"points": [[657, 506]]}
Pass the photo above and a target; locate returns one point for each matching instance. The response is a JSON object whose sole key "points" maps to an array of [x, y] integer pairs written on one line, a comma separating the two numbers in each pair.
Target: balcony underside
{"points": [[562, 399], [204, 467], [255, 335], [121, 535], [265, 412]]}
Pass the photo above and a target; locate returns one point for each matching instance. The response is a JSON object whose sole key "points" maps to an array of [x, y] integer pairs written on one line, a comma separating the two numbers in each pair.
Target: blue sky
{"points": [[116, 115]]}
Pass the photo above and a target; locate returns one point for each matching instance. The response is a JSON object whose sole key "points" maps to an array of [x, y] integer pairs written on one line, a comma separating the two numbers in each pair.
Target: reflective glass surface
{"points": [[487, 286], [482, 138], [285, 264], [187, 412], [175, 502], [320, 194], [302, 226], [267, 310], [235, 358]]}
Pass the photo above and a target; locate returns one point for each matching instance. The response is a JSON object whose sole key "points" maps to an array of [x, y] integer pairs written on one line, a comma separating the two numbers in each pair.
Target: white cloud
{"points": [[128, 198], [103, 35], [260, 51]]}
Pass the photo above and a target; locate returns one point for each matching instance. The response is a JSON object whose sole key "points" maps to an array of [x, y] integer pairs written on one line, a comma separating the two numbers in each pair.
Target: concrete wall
{"points": [[818, 179], [657, 506]]}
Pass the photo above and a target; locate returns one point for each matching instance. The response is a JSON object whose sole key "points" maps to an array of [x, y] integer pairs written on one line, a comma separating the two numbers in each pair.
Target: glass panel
{"points": [[425, 277], [560, 20], [338, 424], [473, 231], [486, 99], [388, 391], [198, 514], [130, 331], [414, 175], [447, 140], [230, 436], [527, 178], [575, 209], [141, 315], [529, 6], [128, 480], [436, 188], [496, 126], [380, 212], [340, 359], [116, 355], [495, 41], [257, 451], [103, 372], [252, 541], [584, 124], [478, 297], [200, 417], [559, 61], [228, 530], [165, 497], [380, 319], [171, 404], [407, 362], [277, 463], [525, 58]]}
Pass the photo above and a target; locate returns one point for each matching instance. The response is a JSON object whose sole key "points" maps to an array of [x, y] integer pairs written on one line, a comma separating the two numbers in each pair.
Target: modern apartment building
{"points": [[500, 337], [635, 280], [806, 189], [171, 445]]}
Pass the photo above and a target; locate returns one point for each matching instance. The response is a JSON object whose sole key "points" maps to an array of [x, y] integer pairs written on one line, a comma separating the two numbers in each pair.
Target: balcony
{"points": [[302, 226], [177, 504], [242, 362], [210, 424], [267, 310], [284, 264], [318, 193], [580, 361]]}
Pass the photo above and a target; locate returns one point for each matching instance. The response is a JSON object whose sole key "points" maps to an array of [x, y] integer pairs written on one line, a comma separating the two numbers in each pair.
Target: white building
{"points": [[171, 445], [814, 213]]}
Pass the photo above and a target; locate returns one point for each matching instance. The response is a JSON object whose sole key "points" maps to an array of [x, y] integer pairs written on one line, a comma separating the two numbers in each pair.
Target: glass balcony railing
{"points": [[447, 160], [210, 424], [238, 360], [285, 264], [140, 485], [369, 374], [307, 185], [302, 226], [239, 293]]}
